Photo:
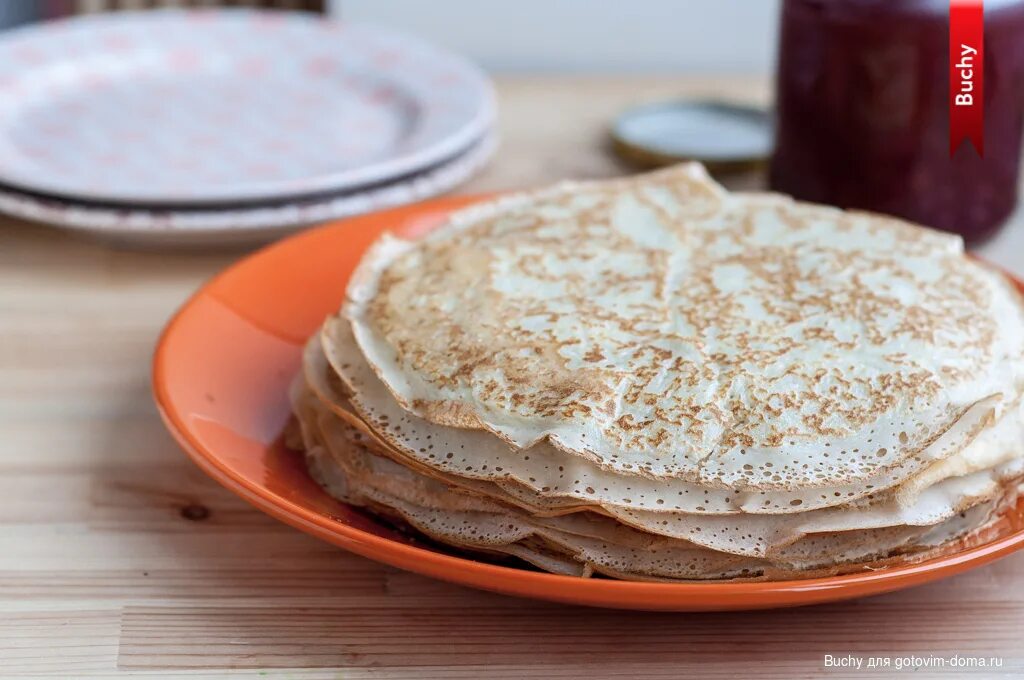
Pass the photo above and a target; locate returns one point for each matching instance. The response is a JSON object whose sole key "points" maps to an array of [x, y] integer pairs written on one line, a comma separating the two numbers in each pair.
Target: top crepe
{"points": [[662, 327]]}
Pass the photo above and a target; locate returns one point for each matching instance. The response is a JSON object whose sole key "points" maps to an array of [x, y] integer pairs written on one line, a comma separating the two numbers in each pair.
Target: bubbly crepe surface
{"points": [[652, 378], [662, 327]]}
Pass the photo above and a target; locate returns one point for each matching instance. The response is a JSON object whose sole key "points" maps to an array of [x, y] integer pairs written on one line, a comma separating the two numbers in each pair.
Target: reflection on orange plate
{"points": [[221, 374]]}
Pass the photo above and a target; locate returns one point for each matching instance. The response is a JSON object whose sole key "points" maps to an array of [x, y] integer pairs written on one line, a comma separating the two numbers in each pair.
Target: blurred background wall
{"points": [[706, 36], [721, 36]]}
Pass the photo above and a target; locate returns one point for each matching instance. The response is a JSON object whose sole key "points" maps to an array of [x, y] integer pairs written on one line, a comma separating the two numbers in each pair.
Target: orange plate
{"points": [[221, 374]]}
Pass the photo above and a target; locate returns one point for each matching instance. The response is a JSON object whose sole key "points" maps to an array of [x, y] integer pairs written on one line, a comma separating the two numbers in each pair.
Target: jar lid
{"points": [[724, 137]]}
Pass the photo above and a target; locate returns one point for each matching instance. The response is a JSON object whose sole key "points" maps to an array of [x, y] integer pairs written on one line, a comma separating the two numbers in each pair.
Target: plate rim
{"points": [[638, 595], [450, 145], [145, 223]]}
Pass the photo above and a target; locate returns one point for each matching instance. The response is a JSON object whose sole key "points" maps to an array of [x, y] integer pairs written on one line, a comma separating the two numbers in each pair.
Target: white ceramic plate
{"points": [[226, 106], [242, 226]]}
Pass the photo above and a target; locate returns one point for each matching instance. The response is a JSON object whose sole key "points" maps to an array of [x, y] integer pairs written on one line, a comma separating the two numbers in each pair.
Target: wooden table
{"points": [[104, 573]]}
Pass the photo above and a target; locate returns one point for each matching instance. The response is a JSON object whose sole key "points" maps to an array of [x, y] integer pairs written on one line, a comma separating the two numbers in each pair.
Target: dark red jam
{"points": [[863, 112]]}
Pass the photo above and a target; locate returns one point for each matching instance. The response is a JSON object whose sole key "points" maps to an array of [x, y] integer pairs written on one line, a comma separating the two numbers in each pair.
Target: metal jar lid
{"points": [[724, 137]]}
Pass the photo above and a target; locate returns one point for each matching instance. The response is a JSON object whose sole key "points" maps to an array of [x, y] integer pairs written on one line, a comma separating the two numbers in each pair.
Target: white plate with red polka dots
{"points": [[226, 107]]}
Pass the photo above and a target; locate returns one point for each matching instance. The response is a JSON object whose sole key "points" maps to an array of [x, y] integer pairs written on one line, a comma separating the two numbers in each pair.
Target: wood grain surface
{"points": [[119, 558]]}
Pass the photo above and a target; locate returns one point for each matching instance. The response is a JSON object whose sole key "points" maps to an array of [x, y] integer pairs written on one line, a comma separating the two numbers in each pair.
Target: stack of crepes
{"points": [[652, 378]]}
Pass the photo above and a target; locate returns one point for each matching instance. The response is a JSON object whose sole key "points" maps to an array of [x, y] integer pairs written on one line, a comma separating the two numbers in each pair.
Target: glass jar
{"points": [[863, 115]]}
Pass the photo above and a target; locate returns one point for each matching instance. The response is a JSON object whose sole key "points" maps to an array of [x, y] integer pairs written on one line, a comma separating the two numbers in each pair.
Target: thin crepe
{"points": [[343, 463], [548, 474], [757, 535], [660, 327]]}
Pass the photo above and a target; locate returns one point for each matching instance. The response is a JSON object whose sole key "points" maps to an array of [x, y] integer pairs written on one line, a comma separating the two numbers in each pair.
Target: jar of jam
{"points": [[862, 98]]}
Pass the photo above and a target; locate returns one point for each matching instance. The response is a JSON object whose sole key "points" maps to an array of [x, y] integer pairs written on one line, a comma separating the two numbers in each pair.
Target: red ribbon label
{"points": [[966, 74]]}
